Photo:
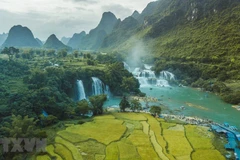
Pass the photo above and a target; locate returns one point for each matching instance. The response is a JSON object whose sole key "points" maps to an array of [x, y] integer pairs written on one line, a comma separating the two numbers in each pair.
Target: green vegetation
{"points": [[97, 103], [124, 104], [155, 110], [35, 81], [198, 41], [20, 127]]}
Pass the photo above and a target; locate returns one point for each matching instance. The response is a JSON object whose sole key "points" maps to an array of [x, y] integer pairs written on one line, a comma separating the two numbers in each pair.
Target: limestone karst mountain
{"points": [[20, 36], [54, 43]]}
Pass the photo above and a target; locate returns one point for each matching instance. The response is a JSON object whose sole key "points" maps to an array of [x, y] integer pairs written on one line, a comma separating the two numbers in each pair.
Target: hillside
{"points": [[76, 40], [20, 36], [94, 39], [199, 41]]}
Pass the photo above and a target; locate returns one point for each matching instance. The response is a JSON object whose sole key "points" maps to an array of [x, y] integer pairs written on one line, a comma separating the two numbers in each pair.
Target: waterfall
{"points": [[164, 77], [162, 83], [136, 72], [126, 66], [147, 77], [167, 75], [80, 91], [98, 87], [143, 81]]}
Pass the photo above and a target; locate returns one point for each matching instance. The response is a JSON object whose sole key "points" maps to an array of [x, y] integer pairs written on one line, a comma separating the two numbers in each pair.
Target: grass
{"points": [[63, 151], [199, 137], [99, 157], [112, 151], [75, 153], [178, 144], [156, 128], [143, 144], [130, 116], [133, 136], [72, 137], [157, 147], [50, 151], [127, 151], [207, 154], [136, 125], [99, 128], [91, 148], [43, 157], [167, 125], [145, 127]]}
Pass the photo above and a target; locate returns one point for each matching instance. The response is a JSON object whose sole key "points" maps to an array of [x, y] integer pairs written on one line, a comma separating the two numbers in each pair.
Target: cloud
{"points": [[87, 1], [62, 17]]}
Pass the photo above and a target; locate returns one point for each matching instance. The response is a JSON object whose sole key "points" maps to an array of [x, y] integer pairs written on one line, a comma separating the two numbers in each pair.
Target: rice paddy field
{"points": [[132, 136]]}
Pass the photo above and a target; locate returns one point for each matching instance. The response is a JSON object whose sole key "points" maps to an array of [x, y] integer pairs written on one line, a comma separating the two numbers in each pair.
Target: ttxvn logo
{"points": [[23, 144]]}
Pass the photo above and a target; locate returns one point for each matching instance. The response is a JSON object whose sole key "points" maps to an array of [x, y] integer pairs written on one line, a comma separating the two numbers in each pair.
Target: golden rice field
{"points": [[132, 136]]}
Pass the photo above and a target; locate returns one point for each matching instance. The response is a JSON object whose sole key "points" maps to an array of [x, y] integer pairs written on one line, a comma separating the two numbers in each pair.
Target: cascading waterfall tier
{"points": [[80, 91], [98, 87], [147, 77], [167, 75]]}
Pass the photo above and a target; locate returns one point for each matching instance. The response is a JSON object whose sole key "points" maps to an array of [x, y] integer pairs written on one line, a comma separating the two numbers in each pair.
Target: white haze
{"points": [[134, 57], [62, 17]]}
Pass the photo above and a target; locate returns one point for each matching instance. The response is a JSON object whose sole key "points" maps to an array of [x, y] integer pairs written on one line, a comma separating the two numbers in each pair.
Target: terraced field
{"points": [[132, 136]]}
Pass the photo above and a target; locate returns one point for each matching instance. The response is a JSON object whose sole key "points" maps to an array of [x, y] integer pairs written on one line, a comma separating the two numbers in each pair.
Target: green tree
{"points": [[10, 52], [129, 84], [156, 110], [76, 54], [82, 107], [124, 104], [26, 54], [97, 103], [135, 105], [62, 53], [90, 62], [50, 52], [20, 127]]}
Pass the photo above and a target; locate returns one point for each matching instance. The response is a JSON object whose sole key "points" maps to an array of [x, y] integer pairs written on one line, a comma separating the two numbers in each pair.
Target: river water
{"points": [[196, 103]]}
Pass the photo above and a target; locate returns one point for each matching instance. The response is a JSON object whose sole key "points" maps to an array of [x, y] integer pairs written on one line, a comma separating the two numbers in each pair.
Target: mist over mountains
{"points": [[158, 19]]}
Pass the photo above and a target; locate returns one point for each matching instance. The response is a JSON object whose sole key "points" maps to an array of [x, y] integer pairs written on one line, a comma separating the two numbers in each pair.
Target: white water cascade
{"points": [[164, 77], [80, 91], [98, 87], [147, 77], [167, 75]]}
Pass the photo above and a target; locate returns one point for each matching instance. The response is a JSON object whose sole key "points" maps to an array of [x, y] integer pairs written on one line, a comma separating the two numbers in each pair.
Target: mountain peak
{"points": [[20, 36], [108, 14], [54, 43], [52, 36], [135, 14]]}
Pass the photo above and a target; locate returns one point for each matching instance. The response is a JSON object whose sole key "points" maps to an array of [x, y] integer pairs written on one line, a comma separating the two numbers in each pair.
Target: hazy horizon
{"points": [[62, 17]]}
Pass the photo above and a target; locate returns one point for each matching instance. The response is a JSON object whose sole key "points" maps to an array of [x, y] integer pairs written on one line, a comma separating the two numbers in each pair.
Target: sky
{"points": [[62, 17]]}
